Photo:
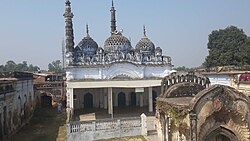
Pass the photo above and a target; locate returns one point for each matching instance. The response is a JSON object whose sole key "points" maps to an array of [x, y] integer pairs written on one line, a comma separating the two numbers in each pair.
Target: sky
{"points": [[33, 30]]}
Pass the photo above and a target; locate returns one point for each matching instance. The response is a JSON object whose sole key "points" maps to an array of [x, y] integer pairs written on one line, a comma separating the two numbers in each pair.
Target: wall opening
{"points": [[133, 98], [46, 101], [121, 99], [154, 96], [88, 100], [221, 134]]}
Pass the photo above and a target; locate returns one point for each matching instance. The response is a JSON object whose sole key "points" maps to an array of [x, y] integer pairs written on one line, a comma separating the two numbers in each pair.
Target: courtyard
{"points": [[49, 125], [46, 125]]}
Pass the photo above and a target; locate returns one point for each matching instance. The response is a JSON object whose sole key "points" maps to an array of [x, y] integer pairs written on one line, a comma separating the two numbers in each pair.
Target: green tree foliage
{"points": [[12, 66], [229, 46], [183, 68], [55, 66]]}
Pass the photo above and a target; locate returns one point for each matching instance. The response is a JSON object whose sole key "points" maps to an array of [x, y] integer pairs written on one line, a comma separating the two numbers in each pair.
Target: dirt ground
{"points": [[46, 125]]}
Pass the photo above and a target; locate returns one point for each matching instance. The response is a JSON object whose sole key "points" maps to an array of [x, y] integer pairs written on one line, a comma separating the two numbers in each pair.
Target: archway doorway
{"points": [[133, 98], [121, 99], [88, 100], [46, 100], [154, 96], [221, 134]]}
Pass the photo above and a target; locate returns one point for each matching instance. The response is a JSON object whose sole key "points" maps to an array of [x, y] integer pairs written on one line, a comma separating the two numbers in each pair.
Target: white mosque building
{"points": [[115, 75]]}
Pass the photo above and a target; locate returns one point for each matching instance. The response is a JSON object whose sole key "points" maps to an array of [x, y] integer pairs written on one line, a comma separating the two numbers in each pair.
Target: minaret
{"points": [[68, 15], [113, 21], [63, 53]]}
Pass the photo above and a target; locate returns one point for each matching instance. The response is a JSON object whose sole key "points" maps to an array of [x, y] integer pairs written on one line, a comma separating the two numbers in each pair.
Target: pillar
{"points": [[105, 99], [141, 99], [193, 126], [70, 103], [115, 99], [127, 99], [110, 101], [150, 100], [101, 98]]}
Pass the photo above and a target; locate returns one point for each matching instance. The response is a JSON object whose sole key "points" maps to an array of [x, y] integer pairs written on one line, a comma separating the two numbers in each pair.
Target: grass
{"points": [[46, 125]]}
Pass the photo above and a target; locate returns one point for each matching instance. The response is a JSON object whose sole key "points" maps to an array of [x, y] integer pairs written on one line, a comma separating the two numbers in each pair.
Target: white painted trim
{"points": [[114, 84]]}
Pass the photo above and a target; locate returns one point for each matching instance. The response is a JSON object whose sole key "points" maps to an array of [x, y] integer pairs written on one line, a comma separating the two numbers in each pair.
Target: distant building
{"points": [[49, 88], [17, 101], [114, 75], [239, 80]]}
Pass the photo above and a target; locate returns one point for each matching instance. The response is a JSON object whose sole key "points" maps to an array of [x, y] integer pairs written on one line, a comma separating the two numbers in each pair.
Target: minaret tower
{"points": [[113, 21], [69, 39]]}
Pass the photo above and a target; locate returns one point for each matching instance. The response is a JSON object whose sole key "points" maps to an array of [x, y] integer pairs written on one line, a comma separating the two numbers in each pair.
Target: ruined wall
{"points": [[16, 106]]}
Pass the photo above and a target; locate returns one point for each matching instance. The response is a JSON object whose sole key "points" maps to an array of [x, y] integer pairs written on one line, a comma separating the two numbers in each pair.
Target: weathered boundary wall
{"points": [[105, 129]]}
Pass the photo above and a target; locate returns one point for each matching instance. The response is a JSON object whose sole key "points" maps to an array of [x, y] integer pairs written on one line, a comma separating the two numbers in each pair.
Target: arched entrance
{"points": [[46, 100], [121, 99], [221, 134], [154, 95], [88, 100], [133, 98]]}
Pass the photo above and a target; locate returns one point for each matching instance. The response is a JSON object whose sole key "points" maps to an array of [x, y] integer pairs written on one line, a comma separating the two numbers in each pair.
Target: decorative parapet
{"points": [[80, 59]]}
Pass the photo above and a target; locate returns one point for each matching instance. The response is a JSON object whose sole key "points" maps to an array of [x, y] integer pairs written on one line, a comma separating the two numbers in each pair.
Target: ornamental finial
{"points": [[144, 30], [87, 29]]}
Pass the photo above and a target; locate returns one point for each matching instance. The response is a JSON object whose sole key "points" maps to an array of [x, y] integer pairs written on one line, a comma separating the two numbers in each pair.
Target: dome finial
{"points": [[144, 30], [112, 3], [87, 29]]}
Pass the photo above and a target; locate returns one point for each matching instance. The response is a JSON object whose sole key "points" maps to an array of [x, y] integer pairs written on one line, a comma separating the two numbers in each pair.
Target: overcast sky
{"points": [[33, 30]]}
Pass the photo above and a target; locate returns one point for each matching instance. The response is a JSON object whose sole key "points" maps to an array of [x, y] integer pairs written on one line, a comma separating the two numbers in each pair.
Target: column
{"points": [[70, 103], [101, 93], [141, 99], [105, 99], [193, 126], [115, 99], [110, 101], [127, 99], [150, 100]]}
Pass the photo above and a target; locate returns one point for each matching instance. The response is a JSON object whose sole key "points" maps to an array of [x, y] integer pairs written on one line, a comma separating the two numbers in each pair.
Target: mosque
{"points": [[115, 75]]}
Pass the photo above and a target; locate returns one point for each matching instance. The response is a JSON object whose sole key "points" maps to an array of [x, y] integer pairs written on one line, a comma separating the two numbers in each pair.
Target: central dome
{"points": [[117, 42]]}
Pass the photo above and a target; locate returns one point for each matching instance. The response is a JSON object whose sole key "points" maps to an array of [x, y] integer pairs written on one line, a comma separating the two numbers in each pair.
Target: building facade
{"points": [[17, 101], [114, 75], [190, 109]]}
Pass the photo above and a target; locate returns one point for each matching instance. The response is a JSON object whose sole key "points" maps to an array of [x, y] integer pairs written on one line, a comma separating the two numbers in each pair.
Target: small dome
{"points": [[145, 45], [158, 51], [100, 50], [117, 42], [88, 46]]}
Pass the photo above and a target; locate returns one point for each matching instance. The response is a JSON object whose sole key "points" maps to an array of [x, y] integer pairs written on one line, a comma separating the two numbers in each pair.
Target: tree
{"points": [[183, 68], [55, 66], [12, 66], [227, 47]]}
